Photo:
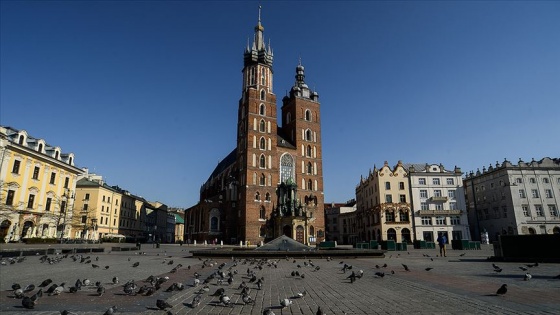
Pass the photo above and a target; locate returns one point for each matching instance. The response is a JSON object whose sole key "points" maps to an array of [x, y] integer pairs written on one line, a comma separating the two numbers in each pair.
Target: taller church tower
{"points": [[279, 168]]}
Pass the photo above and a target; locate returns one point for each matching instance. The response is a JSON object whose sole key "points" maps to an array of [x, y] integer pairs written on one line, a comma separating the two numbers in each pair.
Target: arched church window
{"points": [[308, 115], [262, 144], [262, 126], [309, 151], [262, 161], [262, 213], [309, 184], [286, 168], [309, 168], [262, 110], [262, 95], [308, 135]]}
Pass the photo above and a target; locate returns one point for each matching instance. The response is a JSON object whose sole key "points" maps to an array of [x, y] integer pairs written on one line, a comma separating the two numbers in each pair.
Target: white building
{"points": [[438, 202], [521, 198]]}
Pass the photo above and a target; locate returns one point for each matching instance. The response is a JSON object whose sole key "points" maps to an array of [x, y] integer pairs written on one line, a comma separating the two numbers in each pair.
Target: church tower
{"points": [[256, 139]]}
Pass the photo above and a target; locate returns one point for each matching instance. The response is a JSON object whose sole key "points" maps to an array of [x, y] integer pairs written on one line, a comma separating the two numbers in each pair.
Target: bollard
{"points": [[194, 242], [205, 243]]}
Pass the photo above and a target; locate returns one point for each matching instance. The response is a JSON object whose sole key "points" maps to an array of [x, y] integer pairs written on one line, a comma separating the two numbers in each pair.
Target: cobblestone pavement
{"points": [[456, 285]]}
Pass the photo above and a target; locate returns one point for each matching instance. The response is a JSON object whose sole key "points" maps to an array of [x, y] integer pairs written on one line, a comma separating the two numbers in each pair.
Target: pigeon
{"points": [[73, 290], [380, 274], [352, 277], [523, 268], [286, 302], [196, 282], [51, 288], [463, 254], [29, 288], [110, 311], [429, 268], [16, 286], [319, 311], [95, 266], [100, 290], [196, 301], [86, 282], [115, 280], [45, 283], [302, 294], [27, 302], [67, 312], [502, 290], [136, 264], [18, 294], [498, 270], [405, 267], [162, 305], [495, 266], [59, 289], [527, 277], [106, 267], [219, 292], [247, 299], [78, 284], [224, 299]]}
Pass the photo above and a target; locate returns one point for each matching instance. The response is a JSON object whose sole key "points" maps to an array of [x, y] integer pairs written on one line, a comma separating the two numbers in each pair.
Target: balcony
{"points": [[438, 212], [438, 199]]}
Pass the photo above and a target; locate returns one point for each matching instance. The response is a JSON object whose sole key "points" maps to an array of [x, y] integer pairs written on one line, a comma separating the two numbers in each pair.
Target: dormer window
{"points": [[21, 139], [40, 148], [56, 155]]}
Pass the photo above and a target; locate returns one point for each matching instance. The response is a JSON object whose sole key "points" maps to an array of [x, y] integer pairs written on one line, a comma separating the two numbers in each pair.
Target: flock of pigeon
{"points": [[233, 287]]}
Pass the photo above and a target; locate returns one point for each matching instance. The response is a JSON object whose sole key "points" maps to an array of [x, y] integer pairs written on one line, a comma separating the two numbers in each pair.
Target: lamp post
{"points": [[63, 213]]}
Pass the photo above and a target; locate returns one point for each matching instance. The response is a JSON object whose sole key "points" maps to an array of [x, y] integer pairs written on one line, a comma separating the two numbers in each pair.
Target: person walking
{"points": [[442, 240]]}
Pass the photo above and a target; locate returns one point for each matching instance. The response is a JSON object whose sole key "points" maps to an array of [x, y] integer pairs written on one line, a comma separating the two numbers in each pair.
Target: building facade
{"points": [[383, 205], [438, 202], [271, 184], [37, 186], [337, 222], [507, 198]]}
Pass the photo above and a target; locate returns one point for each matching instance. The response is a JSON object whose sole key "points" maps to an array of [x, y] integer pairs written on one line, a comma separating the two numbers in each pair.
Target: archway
{"points": [[405, 235], [27, 229], [4, 228], [391, 234], [532, 231], [300, 237], [287, 230], [556, 230]]}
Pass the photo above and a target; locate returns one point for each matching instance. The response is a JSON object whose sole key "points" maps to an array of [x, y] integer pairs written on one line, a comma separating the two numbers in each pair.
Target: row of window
{"points": [[31, 201], [437, 193], [535, 193], [258, 196], [436, 181], [539, 210], [437, 206], [441, 220], [518, 180], [36, 172], [21, 141]]}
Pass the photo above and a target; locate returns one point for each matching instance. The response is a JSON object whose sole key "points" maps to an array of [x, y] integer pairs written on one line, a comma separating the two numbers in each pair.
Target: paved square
{"points": [[456, 285]]}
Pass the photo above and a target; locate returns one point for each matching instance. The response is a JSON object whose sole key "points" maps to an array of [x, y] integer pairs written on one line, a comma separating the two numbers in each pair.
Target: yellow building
{"points": [[383, 205], [37, 184]]}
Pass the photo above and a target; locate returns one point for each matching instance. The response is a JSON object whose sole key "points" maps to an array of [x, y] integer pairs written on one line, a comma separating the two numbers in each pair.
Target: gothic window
{"points": [[309, 151], [263, 81], [286, 168], [262, 126], [310, 185], [262, 110], [262, 95], [308, 135], [309, 168], [288, 118], [308, 115], [262, 180], [262, 213], [262, 161], [311, 231], [258, 196], [252, 77], [267, 197], [262, 144]]}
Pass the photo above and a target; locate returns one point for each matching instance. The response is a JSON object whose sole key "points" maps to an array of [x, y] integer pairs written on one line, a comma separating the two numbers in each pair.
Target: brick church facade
{"points": [[271, 184]]}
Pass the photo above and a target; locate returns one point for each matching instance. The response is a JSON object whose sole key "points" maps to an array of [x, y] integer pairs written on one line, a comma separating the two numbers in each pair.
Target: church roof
{"points": [[224, 164], [284, 243]]}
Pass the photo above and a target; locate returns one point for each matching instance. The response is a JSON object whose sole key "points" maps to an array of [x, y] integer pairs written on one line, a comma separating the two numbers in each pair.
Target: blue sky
{"points": [[145, 93]]}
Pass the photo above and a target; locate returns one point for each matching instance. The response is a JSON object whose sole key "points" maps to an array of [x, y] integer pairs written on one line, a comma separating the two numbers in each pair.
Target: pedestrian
{"points": [[442, 240]]}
